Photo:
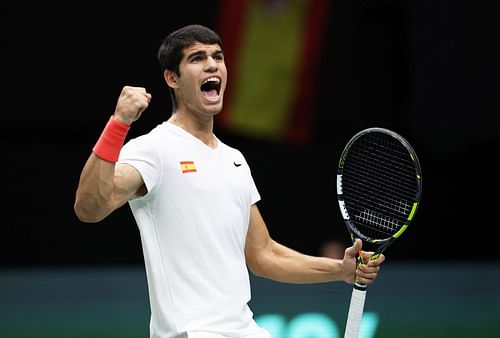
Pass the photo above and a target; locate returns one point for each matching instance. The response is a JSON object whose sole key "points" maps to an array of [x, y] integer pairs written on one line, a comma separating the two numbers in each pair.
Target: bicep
{"points": [[258, 246], [128, 184], [258, 235], [104, 187]]}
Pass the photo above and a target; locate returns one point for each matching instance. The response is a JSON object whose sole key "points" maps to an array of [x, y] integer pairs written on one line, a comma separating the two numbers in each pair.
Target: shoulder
{"points": [[234, 154], [231, 150], [152, 137], [147, 144]]}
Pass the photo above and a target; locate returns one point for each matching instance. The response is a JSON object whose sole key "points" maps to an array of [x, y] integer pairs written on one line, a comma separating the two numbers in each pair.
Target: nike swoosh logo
{"points": [[236, 164]]}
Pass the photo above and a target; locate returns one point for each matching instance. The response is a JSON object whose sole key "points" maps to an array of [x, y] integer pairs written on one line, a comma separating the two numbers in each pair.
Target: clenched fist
{"points": [[131, 103]]}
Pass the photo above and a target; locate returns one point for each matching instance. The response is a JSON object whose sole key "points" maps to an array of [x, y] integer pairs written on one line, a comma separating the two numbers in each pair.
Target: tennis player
{"points": [[195, 202]]}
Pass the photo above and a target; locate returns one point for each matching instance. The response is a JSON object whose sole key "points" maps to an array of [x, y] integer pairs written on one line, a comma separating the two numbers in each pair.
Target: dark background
{"points": [[427, 69]]}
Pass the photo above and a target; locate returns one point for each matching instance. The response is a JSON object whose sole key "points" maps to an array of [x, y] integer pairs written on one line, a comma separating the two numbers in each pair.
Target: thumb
{"points": [[353, 250]]}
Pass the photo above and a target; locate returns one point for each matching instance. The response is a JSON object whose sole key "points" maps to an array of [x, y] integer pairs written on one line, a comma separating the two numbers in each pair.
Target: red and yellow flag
{"points": [[188, 167], [273, 50]]}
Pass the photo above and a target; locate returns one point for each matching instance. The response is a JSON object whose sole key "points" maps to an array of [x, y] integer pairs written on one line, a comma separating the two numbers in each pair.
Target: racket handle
{"points": [[355, 311]]}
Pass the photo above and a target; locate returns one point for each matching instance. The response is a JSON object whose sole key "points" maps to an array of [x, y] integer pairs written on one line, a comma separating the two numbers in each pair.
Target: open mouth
{"points": [[210, 88]]}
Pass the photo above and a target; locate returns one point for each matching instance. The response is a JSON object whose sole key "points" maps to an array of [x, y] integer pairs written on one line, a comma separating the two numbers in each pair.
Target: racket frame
{"points": [[381, 244]]}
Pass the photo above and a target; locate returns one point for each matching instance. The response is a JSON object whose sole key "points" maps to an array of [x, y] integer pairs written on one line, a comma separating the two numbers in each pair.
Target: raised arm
{"points": [[104, 186], [270, 259]]}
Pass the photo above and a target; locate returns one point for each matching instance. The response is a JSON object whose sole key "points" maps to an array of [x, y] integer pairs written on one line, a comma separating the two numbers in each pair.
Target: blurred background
{"points": [[304, 76]]}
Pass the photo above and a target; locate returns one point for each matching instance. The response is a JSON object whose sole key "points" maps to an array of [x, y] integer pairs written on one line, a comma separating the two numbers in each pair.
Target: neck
{"points": [[202, 130]]}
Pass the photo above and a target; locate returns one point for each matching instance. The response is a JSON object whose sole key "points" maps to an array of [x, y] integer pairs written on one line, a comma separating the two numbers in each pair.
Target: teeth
{"points": [[212, 79]]}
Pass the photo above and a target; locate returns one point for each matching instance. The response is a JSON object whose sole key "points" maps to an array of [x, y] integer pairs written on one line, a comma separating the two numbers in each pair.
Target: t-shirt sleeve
{"points": [[255, 195], [254, 192], [141, 154]]}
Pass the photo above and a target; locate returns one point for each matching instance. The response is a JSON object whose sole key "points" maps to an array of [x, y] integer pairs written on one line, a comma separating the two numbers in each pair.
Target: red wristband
{"points": [[111, 140]]}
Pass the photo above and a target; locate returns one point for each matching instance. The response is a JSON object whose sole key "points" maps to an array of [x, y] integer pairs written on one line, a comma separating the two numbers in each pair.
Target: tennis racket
{"points": [[379, 184]]}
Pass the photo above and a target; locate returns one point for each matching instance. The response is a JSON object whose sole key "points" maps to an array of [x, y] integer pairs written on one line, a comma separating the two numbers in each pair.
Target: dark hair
{"points": [[172, 48]]}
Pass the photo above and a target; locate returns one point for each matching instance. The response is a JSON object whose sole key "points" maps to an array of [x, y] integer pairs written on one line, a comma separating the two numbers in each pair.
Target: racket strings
{"points": [[390, 161], [377, 222], [379, 184]]}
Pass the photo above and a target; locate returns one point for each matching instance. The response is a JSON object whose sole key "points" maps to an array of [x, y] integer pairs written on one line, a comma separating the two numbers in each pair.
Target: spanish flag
{"points": [[273, 50], [188, 167]]}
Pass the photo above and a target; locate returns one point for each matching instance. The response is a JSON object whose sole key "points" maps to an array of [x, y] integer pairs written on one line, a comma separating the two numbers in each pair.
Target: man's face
{"points": [[202, 80]]}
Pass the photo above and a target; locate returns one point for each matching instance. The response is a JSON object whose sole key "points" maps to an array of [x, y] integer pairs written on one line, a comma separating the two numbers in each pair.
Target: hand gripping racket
{"points": [[379, 183]]}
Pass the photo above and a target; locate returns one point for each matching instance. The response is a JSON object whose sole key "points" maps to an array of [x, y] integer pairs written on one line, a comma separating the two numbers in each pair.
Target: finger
{"points": [[367, 275], [369, 267], [377, 261]]}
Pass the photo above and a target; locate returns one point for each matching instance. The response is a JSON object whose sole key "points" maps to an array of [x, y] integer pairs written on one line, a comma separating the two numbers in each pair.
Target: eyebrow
{"points": [[203, 53]]}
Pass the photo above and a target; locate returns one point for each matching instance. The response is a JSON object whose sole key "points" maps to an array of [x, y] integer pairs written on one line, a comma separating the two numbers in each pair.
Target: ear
{"points": [[171, 78]]}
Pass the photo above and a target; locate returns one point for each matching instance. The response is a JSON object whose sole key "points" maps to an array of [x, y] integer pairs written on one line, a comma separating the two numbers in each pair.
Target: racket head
{"points": [[379, 185]]}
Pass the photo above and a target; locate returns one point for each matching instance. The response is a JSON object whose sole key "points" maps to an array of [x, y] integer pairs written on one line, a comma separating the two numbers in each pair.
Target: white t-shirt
{"points": [[193, 224]]}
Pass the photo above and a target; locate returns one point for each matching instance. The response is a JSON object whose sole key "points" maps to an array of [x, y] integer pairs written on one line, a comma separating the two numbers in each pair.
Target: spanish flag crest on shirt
{"points": [[188, 167]]}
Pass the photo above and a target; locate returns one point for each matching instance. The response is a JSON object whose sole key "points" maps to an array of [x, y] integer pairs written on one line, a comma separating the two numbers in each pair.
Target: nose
{"points": [[211, 64]]}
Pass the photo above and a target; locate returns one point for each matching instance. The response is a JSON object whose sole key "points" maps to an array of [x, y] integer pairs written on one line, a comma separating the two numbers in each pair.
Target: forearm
{"points": [[94, 196], [283, 264]]}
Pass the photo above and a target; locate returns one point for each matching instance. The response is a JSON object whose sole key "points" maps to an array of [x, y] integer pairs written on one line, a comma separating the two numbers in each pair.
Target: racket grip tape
{"points": [[355, 314]]}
